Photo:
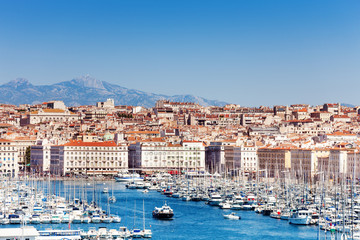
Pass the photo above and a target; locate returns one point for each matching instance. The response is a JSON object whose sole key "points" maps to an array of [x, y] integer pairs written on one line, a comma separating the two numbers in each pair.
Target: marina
{"points": [[197, 206]]}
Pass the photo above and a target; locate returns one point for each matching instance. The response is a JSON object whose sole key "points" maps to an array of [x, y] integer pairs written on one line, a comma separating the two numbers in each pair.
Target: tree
{"points": [[27, 157]]}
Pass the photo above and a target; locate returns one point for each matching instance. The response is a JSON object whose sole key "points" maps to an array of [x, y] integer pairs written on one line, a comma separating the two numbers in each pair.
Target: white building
{"points": [[249, 158], [9, 158], [108, 104], [22, 144], [341, 137], [56, 105], [159, 155], [55, 115], [40, 157], [88, 158]]}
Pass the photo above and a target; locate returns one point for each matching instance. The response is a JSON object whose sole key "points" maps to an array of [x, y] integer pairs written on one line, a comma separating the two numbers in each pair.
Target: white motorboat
{"points": [[300, 217], [215, 200], [236, 207], [186, 198], [136, 233], [232, 216], [114, 233], [106, 219], [76, 219], [124, 232], [55, 219], [86, 219], [14, 219], [146, 233], [65, 218], [96, 219], [45, 219], [226, 205], [35, 219], [116, 219], [126, 177]]}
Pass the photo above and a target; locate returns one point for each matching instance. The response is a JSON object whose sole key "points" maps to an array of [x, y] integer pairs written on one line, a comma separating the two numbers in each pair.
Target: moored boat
{"points": [[165, 212]]}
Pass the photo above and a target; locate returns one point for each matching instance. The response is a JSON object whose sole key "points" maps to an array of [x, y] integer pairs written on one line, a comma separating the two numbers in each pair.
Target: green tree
{"points": [[27, 157]]}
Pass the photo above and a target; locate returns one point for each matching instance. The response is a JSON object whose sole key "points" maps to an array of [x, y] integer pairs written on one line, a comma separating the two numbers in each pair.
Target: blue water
{"points": [[192, 220]]}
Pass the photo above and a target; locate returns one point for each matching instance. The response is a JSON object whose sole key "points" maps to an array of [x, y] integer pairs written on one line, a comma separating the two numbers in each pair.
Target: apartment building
{"points": [[158, 155], [274, 161], [40, 157], [88, 158], [54, 115], [9, 158], [249, 158]]}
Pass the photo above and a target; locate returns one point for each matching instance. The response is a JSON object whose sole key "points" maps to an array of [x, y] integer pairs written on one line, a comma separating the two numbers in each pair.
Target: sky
{"points": [[252, 53]]}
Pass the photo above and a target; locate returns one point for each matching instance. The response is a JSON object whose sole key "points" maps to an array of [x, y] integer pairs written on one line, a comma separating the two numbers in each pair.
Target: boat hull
{"points": [[163, 215]]}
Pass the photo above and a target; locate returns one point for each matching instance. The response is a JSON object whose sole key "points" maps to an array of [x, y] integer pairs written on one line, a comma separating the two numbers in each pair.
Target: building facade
{"points": [[88, 158]]}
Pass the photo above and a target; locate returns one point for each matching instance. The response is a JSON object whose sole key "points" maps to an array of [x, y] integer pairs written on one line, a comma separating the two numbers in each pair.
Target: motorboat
{"points": [[146, 233], [45, 219], [300, 217], [96, 219], [165, 212], [232, 216], [236, 207], [35, 219], [136, 233], [86, 219], [127, 177], [76, 219], [215, 200], [14, 219], [106, 219], [225, 205], [124, 232], [116, 219], [65, 218], [55, 218]]}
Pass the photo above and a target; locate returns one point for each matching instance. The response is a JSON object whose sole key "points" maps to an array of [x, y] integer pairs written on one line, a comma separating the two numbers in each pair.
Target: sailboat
{"points": [[146, 233], [136, 233], [112, 198]]}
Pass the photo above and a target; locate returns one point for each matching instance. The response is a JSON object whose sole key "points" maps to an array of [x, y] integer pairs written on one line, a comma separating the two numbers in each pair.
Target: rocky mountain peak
{"points": [[88, 81], [19, 83]]}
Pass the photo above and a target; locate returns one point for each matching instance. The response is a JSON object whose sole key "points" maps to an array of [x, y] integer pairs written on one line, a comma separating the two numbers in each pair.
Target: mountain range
{"points": [[87, 90]]}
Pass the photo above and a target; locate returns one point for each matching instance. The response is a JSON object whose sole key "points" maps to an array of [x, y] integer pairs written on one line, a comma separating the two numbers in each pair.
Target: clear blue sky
{"points": [[246, 52]]}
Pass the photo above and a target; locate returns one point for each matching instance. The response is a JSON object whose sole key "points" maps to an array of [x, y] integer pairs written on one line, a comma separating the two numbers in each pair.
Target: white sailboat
{"points": [[146, 233]]}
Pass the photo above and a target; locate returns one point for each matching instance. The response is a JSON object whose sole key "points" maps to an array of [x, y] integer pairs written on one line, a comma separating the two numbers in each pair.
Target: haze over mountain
{"points": [[86, 90]]}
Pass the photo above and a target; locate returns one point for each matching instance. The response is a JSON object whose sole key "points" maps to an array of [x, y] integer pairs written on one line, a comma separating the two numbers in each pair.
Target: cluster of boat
{"points": [[121, 233], [334, 208], [29, 232], [23, 204]]}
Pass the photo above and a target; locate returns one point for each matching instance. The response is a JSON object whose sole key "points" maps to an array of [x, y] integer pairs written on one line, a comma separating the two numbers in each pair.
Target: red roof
{"points": [[91, 144]]}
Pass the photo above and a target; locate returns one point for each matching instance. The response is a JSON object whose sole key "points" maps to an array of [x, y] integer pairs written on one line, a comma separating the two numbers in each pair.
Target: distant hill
{"points": [[87, 91], [347, 105]]}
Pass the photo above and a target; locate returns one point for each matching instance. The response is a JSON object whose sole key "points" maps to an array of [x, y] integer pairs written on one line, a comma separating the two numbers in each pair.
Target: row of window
{"points": [[171, 164], [94, 164], [94, 158], [97, 153], [170, 153], [7, 154], [95, 148]]}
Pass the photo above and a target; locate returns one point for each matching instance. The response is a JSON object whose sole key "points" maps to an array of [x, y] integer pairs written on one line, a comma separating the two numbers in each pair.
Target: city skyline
{"points": [[247, 53]]}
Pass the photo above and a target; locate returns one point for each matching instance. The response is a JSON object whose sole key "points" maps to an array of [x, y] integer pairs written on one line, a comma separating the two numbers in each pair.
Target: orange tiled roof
{"points": [[91, 144]]}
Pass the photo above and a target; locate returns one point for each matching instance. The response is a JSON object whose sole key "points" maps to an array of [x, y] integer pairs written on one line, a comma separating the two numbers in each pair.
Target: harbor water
{"points": [[192, 220]]}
